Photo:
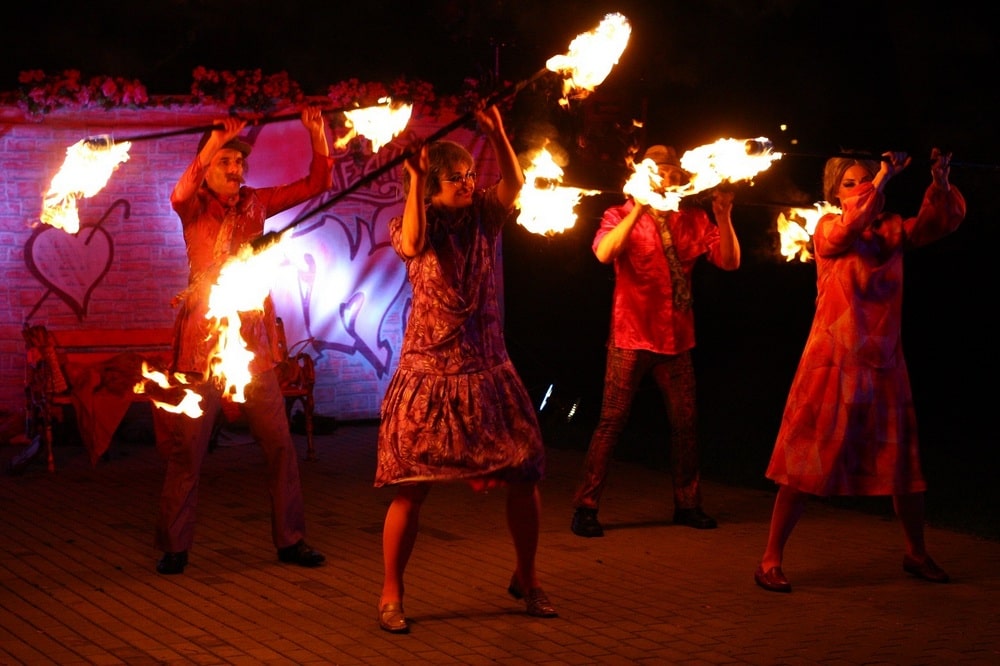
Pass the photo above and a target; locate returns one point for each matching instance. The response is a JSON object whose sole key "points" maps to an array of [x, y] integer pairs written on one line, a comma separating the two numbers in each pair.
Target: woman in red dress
{"points": [[456, 409], [849, 426]]}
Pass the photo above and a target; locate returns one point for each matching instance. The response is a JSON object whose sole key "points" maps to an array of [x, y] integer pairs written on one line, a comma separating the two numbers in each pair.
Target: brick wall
{"points": [[341, 290]]}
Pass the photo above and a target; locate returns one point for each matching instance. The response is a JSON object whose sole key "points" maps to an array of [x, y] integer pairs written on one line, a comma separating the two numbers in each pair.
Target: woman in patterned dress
{"points": [[456, 409], [849, 426]]}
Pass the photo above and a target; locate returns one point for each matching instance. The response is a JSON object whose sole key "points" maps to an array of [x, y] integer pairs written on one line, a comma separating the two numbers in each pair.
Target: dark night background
{"points": [[814, 77]]}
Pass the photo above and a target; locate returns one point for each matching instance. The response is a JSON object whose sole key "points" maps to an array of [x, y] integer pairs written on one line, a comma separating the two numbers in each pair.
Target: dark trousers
{"points": [[185, 449], [674, 375]]}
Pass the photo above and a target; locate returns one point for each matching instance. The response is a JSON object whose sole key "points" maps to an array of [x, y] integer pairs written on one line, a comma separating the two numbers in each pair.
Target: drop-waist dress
{"points": [[455, 408]]}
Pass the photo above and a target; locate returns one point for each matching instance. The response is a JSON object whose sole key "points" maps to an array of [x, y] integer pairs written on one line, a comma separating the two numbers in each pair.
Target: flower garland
{"points": [[243, 92], [39, 94]]}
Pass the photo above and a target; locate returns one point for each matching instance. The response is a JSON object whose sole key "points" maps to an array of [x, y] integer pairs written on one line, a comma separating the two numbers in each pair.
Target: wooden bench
{"points": [[61, 363]]}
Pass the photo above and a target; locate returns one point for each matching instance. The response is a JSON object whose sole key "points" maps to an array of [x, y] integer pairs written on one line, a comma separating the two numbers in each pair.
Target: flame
{"points": [[547, 207], [88, 166], [797, 228], [243, 284], [189, 405], [379, 124], [646, 186], [726, 160], [591, 56]]}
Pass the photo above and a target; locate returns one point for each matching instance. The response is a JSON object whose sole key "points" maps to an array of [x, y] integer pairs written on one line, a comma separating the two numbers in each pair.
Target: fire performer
{"points": [[849, 426], [219, 215], [456, 409], [652, 331]]}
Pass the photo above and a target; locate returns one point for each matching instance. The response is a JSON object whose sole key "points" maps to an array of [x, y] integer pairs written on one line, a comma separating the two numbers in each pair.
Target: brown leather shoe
{"points": [[538, 604], [772, 580], [392, 619], [928, 569]]}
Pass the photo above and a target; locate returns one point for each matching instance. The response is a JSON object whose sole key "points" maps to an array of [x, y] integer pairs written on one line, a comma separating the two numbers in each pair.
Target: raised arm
{"points": [[191, 180], [413, 238], [729, 244], [315, 123], [511, 176], [611, 243]]}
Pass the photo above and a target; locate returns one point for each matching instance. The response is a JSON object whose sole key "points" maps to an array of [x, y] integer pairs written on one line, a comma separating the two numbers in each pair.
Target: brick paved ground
{"points": [[77, 584]]}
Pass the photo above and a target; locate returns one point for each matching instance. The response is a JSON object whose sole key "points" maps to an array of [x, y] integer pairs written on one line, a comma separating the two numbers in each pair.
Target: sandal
{"points": [[392, 619], [537, 602]]}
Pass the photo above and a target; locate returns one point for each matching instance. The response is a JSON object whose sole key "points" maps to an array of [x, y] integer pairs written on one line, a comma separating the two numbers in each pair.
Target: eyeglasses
{"points": [[459, 179]]}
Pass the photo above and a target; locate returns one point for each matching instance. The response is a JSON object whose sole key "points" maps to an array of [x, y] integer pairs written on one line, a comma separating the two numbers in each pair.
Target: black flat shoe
{"points": [[772, 580], [585, 523], [928, 569], [538, 604], [301, 554], [695, 518], [172, 563]]}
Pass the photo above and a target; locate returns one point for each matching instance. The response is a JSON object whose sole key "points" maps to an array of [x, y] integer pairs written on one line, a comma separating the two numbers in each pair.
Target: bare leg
{"points": [[399, 534], [910, 510], [788, 508], [524, 507]]}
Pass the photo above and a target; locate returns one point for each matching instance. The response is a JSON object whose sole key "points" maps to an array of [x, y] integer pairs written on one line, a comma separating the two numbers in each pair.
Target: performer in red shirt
{"points": [[849, 426], [219, 215], [652, 331]]}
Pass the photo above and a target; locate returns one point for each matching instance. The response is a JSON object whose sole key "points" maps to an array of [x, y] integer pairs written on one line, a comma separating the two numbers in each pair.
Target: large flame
{"points": [[546, 206], [726, 160], [591, 56], [379, 124], [243, 284], [646, 186], [797, 227], [88, 166]]}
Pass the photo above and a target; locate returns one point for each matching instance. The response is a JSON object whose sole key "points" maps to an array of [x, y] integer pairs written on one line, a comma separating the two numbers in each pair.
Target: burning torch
{"points": [[90, 162]]}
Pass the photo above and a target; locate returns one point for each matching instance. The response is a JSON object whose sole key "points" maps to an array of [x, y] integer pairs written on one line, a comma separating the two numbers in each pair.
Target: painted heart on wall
{"points": [[71, 265]]}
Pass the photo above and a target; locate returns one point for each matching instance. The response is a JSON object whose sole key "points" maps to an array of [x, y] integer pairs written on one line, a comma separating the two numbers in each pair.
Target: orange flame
{"points": [[189, 405], [88, 166], [796, 229], [546, 206], [726, 160], [379, 124], [243, 284], [591, 56]]}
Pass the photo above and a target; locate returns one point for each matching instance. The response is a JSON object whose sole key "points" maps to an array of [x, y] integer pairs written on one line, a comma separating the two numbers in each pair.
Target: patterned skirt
{"points": [[476, 427]]}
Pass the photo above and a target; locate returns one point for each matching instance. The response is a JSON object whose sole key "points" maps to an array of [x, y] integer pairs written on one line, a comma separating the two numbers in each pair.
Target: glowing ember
{"points": [[379, 124], [546, 206], [88, 166], [591, 56], [796, 229]]}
